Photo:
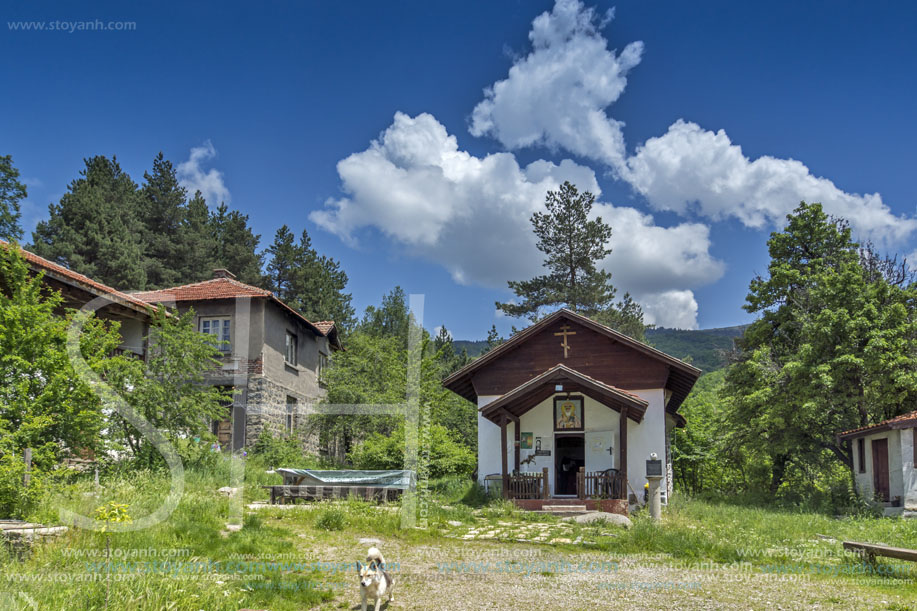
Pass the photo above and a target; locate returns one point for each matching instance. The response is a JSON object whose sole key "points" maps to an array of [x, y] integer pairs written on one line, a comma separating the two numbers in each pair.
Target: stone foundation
{"points": [[618, 506], [266, 410]]}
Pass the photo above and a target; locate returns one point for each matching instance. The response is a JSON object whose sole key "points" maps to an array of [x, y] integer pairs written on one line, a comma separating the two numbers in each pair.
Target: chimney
{"points": [[223, 273]]}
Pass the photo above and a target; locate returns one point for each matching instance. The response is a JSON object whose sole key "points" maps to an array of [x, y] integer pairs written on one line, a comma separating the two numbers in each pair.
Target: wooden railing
{"points": [[526, 485], [609, 484]]}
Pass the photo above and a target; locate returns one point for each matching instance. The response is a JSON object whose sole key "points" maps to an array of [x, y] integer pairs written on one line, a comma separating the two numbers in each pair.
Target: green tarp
{"points": [[382, 479]]}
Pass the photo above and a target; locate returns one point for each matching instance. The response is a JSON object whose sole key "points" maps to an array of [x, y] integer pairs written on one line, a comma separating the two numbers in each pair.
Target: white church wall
{"points": [[642, 439], [488, 442], [646, 438]]}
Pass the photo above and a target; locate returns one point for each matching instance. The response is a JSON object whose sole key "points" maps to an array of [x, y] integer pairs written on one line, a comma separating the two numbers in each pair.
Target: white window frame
{"points": [[286, 349], [292, 402], [322, 365], [223, 328]]}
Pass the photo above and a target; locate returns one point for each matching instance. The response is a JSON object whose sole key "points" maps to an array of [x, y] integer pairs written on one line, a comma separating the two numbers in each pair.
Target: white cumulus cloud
{"points": [[673, 309], [471, 215], [693, 169], [193, 177], [556, 95]]}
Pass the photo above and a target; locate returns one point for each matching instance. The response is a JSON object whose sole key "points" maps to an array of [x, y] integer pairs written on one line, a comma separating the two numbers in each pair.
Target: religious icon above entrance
{"points": [[568, 414]]}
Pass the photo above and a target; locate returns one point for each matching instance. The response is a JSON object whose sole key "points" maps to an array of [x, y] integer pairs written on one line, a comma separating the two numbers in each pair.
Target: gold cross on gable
{"points": [[565, 331]]}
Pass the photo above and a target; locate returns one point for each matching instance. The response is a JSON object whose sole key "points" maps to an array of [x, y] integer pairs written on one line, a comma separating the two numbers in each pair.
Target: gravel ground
{"points": [[521, 576]]}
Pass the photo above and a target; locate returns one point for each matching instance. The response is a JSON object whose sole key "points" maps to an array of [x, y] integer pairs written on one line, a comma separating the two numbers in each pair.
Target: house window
{"points": [[861, 454], [291, 345], [219, 329], [291, 408], [322, 365]]}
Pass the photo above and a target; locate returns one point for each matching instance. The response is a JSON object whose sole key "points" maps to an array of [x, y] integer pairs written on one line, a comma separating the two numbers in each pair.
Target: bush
{"points": [[332, 518], [16, 500], [447, 455], [282, 452]]}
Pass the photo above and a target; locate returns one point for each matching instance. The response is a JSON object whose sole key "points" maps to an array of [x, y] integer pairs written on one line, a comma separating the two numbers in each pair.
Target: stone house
{"points": [[272, 356], [884, 459]]}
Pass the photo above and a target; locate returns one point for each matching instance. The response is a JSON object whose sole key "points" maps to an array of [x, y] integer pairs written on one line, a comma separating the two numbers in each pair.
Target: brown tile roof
{"points": [[218, 288], [904, 421], [228, 288], [62, 274], [325, 326]]}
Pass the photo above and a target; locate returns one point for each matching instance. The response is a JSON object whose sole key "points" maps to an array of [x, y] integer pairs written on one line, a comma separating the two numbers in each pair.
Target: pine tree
{"points": [[572, 244], [198, 241], [313, 284], [11, 193], [235, 245], [95, 229], [285, 258], [162, 211]]}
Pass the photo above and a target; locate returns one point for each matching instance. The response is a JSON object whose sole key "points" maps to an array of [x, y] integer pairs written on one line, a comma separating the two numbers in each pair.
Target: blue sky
{"points": [[818, 96]]}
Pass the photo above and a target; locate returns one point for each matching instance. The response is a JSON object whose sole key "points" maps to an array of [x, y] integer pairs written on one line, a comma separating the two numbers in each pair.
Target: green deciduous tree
{"points": [[447, 454], [43, 404], [374, 370], [168, 389], [834, 348], [11, 193]]}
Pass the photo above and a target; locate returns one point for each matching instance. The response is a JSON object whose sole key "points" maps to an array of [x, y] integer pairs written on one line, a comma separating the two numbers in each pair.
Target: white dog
{"points": [[375, 582]]}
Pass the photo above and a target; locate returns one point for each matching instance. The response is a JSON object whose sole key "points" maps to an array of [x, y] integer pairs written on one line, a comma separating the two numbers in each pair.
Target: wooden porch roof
{"points": [[526, 396]]}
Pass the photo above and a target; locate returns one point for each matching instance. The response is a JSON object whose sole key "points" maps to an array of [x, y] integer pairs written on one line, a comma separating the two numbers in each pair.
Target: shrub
{"points": [[16, 500], [332, 518], [282, 452], [447, 455]]}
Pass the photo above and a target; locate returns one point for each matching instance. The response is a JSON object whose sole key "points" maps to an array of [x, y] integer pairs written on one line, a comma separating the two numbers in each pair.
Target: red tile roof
{"points": [[325, 326], [218, 288], [904, 421], [62, 274]]}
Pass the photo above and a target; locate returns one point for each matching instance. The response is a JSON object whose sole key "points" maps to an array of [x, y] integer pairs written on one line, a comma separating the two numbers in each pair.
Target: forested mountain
{"points": [[703, 348]]}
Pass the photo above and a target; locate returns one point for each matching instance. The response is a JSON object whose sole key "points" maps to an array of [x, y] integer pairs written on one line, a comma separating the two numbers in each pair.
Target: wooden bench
{"points": [[869, 551]]}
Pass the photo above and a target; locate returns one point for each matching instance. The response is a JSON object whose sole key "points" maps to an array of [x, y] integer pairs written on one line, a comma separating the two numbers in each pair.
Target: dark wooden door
{"points": [[880, 468]]}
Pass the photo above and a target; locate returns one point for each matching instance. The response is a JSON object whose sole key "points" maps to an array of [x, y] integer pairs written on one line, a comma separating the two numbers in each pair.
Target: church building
{"points": [[569, 408]]}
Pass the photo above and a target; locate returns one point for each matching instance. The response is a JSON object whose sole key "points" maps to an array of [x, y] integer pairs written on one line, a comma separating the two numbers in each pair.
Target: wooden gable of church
{"points": [[587, 351]]}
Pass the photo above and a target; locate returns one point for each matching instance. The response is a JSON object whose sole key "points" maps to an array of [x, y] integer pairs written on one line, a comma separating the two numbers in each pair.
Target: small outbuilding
{"points": [[884, 456]]}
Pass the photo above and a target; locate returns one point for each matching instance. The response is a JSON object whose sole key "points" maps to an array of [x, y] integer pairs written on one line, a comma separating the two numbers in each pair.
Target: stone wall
{"points": [[267, 410]]}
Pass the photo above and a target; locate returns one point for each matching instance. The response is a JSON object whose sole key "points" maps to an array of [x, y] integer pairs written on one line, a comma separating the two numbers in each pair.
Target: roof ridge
{"points": [[202, 282]]}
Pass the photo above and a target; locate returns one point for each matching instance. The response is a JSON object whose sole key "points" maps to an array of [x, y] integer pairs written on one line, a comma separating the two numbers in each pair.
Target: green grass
{"points": [[70, 571]]}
